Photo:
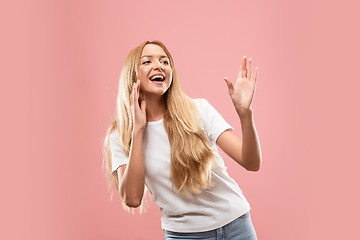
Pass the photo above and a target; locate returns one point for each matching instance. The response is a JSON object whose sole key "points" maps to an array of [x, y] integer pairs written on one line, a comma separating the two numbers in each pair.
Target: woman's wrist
{"points": [[244, 113], [138, 130]]}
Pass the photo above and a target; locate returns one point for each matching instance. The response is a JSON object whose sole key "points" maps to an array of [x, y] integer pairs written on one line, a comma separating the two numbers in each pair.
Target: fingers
{"points": [[256, 74], [243, 70], [246, 69], [230, 85], [137, 88], [134, 96], [143, 106], [249, 69]]}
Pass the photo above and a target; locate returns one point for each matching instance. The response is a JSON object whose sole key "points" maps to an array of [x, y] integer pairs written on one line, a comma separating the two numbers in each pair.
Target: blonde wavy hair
{"points": [[192, 157]]}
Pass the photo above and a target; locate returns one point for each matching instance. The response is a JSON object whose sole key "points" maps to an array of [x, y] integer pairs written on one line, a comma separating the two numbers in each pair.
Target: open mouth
{"points": [[157, 78]]}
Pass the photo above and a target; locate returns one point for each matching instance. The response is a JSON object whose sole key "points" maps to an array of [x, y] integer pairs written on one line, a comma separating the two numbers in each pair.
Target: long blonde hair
{"points": [[192, 157]]}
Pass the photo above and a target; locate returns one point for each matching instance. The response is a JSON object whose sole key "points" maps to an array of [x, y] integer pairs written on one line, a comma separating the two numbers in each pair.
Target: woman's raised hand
{"points": [[138, 112], [242, 93]]}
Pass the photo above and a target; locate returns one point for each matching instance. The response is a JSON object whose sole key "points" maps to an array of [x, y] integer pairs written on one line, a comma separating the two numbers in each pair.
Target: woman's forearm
{"points": [[251, 151], [133, 180]]}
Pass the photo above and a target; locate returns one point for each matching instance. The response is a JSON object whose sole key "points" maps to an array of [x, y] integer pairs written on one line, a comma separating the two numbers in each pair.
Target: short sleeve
{"points": [[214, 123], [118, 157]]}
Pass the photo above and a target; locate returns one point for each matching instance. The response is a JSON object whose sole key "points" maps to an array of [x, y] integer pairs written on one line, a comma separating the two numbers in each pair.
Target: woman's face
{"points": [[154, 62]]}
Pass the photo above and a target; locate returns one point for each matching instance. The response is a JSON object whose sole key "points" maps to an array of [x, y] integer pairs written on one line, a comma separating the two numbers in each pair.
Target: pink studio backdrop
{"points": [[60, 66]]}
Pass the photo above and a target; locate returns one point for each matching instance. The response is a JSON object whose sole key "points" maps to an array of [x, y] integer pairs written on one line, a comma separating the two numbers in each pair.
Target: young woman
{"points": [[164, 141]]}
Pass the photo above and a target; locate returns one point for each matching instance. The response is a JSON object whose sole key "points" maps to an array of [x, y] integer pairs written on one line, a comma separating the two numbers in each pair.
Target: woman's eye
{"points": [[166, 62]]}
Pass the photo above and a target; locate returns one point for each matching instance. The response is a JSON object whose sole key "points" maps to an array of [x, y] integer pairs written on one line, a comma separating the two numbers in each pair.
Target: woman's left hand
{"points": [[242, 93]]}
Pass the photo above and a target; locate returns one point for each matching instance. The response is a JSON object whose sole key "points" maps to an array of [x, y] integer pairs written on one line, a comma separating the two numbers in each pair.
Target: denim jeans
{"points": [[239, 229]]}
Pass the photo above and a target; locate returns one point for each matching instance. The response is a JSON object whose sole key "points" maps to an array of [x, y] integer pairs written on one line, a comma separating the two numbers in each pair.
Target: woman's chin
{"points": [[159, 88], [155, 88], [156, 92]]}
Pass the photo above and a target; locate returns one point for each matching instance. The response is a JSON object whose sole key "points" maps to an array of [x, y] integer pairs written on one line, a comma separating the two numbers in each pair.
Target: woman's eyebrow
{"points": [[163, 56]]}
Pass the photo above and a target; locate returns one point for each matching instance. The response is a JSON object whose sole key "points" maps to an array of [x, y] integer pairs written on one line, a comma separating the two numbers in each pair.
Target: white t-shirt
{"points": [[214, 207]]}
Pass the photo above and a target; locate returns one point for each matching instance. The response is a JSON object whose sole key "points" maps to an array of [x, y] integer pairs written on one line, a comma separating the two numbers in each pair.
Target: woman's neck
{"points": [[155, 108]]}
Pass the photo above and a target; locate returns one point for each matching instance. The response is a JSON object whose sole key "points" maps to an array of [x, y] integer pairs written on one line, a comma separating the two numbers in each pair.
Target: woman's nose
{"points": [[159, 66]]}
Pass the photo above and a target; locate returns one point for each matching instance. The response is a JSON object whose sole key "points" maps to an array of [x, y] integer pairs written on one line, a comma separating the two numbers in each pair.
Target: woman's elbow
{"points": [[254, 167], [132, 203], [130, 199]]}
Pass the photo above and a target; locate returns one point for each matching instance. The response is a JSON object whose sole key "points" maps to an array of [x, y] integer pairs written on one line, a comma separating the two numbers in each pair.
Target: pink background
{"points": [[60, 63]]}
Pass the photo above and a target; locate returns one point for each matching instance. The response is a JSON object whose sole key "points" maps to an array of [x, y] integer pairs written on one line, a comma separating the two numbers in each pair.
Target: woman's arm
{"points": [[247, 152], [132, 175]]}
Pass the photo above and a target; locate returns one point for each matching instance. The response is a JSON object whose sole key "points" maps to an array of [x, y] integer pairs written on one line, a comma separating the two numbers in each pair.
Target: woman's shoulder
{"points": [[201, 103], [114, 135], [203, 107]]}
